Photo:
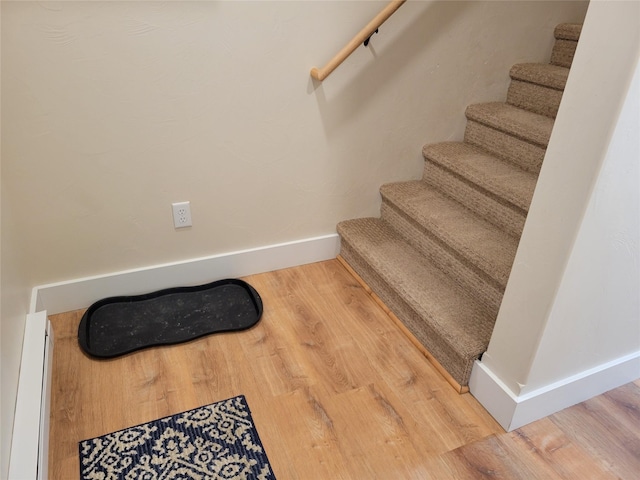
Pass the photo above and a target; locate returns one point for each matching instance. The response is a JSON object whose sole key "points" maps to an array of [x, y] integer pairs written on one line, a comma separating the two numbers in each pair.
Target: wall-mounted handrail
{"points": [[322, 73]]}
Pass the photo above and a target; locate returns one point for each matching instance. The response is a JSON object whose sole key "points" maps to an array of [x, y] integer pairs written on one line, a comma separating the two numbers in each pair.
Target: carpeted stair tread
{"points": [[522, 124], [547, 75], [474, 240], [568, 31], [502, 179], [450, 321], [477, 283]]}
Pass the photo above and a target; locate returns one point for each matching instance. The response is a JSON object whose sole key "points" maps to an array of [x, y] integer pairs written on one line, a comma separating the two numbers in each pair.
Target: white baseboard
{"points": [[81, 293], [30, 440], [513, 411], [45, 407]]}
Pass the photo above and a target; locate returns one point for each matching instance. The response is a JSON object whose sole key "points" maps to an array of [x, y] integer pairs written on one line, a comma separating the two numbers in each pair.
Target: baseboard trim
{"points": [[513, 411], [30, 439], [81, 293]]}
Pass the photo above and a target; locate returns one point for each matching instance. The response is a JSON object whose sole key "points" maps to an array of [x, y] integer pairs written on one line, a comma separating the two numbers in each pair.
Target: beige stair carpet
{"points": [[441, 253]]}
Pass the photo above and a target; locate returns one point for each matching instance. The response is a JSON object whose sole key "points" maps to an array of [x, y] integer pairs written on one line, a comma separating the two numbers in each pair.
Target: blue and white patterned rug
{"points": [[217, 441]]}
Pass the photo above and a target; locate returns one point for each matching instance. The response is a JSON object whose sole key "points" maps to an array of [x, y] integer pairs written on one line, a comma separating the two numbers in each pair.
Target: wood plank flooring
{"points": [[337, 392]]}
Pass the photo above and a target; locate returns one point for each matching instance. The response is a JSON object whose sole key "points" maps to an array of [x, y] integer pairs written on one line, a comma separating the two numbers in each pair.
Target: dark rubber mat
{"points": [[118, 325]]}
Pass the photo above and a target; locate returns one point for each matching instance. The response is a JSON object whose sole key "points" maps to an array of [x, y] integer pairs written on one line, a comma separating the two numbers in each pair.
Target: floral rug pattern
{"points": [[214, 442]]}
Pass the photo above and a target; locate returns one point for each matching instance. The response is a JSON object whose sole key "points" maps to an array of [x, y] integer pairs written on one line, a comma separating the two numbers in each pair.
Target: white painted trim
{"points": [[513, 411], [36, 303], [82, 292], [25, 443], [493, 394], [45, 408]]}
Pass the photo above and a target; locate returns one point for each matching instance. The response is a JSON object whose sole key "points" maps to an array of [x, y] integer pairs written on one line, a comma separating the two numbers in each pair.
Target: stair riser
{"points": [[465, 273], [458, 367], [563, 52], [568, 31], [534, 98], [508, 218], [526, 155]]}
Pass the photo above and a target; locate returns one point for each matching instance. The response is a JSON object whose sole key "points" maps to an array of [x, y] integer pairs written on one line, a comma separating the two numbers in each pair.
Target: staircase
{"points": [[441, 252]]}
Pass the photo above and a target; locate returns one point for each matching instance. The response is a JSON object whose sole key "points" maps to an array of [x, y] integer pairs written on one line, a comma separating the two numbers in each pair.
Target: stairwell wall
{"points": [[571, 309], [113, 110]]}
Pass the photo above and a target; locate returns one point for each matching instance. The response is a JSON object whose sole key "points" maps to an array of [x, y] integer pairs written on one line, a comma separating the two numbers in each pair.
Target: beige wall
{"points": [[14, 300], [113, 110]]}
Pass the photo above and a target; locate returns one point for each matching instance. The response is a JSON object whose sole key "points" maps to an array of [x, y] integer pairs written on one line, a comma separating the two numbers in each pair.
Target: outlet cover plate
{"points": [[181, 214]]}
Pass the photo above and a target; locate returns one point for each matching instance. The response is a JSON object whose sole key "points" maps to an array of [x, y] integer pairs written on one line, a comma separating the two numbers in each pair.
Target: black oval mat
{"points": [[118, 325]]}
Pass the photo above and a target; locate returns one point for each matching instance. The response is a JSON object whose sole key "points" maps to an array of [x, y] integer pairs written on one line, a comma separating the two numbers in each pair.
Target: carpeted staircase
{"points": [[441, 253]]}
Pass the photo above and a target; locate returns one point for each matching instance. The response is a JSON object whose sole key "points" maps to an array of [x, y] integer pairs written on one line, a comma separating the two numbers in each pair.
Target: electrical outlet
{"points": [[181, 214]]}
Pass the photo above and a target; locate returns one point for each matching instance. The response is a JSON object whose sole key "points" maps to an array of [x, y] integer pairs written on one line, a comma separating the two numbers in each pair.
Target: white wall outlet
{"points": [[181, 214]]}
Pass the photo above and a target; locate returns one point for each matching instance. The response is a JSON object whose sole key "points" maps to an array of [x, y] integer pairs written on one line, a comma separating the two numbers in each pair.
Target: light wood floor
{"points": [[336, 392]]}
